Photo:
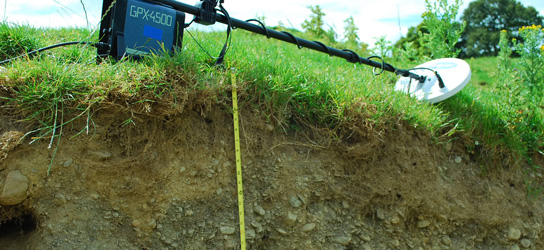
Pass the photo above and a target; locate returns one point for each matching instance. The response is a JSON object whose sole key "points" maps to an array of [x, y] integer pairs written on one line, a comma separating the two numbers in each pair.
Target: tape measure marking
{"points": [[238, 163]]}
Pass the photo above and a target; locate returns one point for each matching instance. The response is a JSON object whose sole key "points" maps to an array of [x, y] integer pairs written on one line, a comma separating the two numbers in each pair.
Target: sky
{"points": [[389, 18]]}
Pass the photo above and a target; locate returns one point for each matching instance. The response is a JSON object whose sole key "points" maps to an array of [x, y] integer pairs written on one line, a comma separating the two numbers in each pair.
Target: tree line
{"points": [[483, 22]]}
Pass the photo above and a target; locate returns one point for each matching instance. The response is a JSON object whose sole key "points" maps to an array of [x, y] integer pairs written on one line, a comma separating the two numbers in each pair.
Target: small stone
{"points": [[281, 231], [449, 146], [60, 199], [395, 243], [100, 155], [295, 202], [345, 204], [446, 240], [290, 219], [343, 240], [423, 224], [230, 244], [226, 230], [301, 198], [258, 227], [308, 227], [269, 127], [68, 163], [395, 220], [442, 218], [152, 224], [15, 187], [250, 233], [514, 234], [380, 214], [526, 243], [259, 210], [366, 247], [457, 159], [365, 237], [136, 223], [514, 247]]}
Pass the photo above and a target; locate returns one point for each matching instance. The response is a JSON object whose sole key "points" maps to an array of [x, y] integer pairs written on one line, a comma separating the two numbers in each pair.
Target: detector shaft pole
{"points": [[287, 37]]}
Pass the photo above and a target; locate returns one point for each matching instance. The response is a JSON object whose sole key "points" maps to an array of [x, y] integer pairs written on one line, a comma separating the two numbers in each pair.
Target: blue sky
{"points": [[374, 18]]}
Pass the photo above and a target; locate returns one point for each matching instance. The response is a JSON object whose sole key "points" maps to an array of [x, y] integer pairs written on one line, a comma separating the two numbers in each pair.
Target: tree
{"points": [[486, 18], [351, 38], [350, 31], [412, 36], [314, 26]]}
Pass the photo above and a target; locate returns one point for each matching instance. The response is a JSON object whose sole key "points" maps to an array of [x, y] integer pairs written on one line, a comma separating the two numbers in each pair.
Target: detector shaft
{"points": [[287, 37]]}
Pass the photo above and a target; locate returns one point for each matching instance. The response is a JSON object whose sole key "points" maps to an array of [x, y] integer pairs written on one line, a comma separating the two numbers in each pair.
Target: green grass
{"points": [[15, 40], [295, 88], [484, 71]]}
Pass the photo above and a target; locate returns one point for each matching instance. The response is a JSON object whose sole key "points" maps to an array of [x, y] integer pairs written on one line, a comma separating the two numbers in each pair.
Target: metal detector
{"points": [[135, 28]]}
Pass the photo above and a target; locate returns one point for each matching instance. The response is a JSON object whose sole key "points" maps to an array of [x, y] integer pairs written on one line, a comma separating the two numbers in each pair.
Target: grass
{"points": [[294, 88], [15, 40], [484, 71]]}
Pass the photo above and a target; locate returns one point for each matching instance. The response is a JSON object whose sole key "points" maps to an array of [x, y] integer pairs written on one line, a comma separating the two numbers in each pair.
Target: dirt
{"points": [[169, 182]]}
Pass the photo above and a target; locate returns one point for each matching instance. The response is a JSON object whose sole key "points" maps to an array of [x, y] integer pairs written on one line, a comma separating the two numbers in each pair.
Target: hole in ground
{"points": [[20, 225]]}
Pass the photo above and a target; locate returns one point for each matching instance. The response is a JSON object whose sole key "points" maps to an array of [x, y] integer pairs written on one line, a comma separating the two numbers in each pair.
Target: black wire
{"points": [[354, 57], [294, 38], [440, 81], [383, 65], [199, 45], [226, 47], [31, 53], [228, 41], [325, 47], [265, 30]]}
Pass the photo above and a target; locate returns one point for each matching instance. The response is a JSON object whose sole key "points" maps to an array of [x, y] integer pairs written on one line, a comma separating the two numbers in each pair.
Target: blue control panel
{"points": [[138, 28], [149, 28]]}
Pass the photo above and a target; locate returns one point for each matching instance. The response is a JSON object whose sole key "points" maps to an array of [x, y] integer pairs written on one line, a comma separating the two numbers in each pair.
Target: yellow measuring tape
{"points": [[238, 163]]}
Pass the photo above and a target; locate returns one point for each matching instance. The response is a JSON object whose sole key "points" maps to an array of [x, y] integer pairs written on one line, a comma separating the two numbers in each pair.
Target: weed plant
{"points": [[521, 88]]}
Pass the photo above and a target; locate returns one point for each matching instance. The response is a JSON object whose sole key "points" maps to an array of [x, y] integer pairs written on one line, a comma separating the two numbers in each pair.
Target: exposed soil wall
{"points": [[168, 182]]}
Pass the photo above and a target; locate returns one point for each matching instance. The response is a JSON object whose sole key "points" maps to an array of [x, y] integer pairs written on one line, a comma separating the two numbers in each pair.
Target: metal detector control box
{"points": [[137, 28]]}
